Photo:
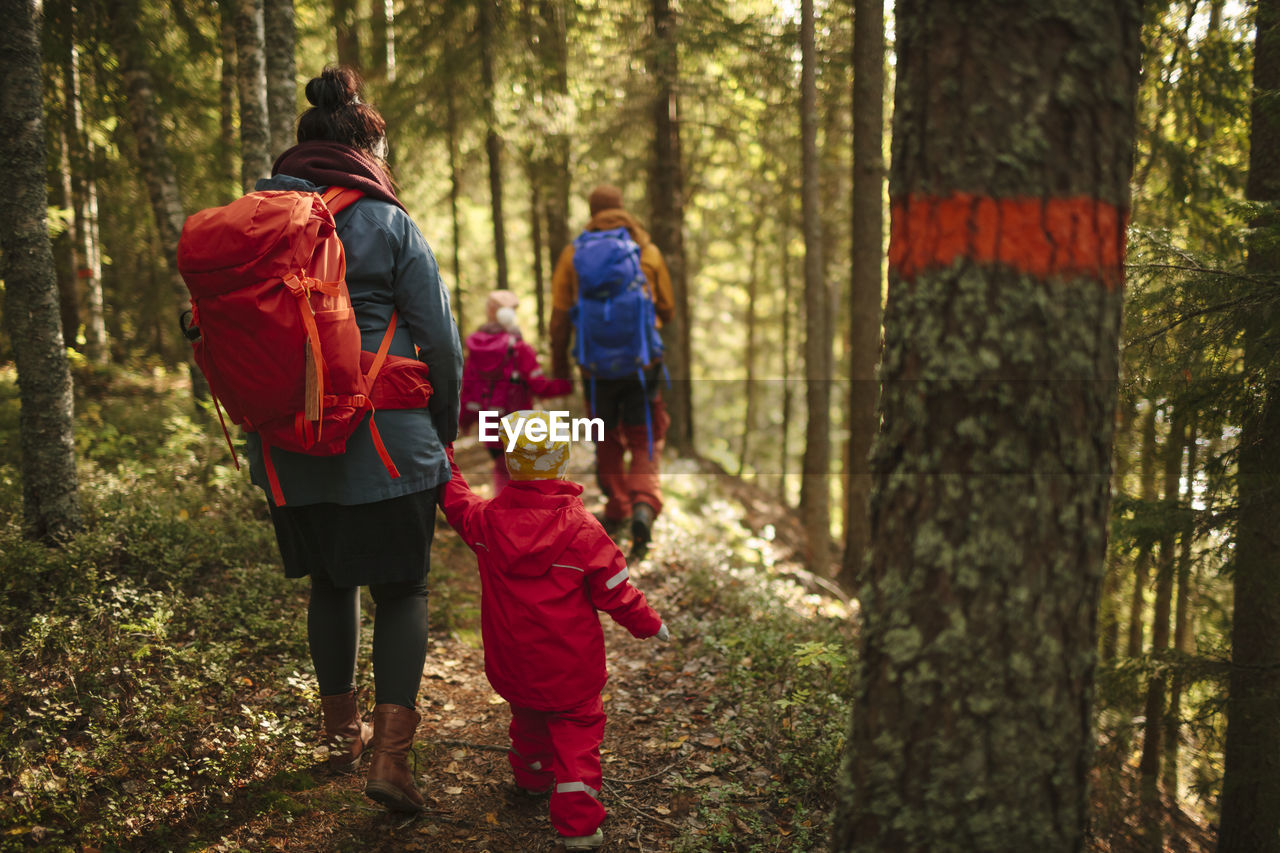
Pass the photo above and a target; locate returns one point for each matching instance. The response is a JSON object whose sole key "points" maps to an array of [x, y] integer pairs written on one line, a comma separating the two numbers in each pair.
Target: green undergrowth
{"points": [[781, 659], [153, 668]]}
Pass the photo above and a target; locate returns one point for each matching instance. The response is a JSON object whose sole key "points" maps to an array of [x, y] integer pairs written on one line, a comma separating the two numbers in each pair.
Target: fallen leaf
{"points": [[491, 817], [453, 790]]}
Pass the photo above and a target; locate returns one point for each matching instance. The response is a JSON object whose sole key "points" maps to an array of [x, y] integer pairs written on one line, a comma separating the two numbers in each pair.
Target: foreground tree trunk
{"points": [[1251, 780], [972, 721], [815, 486], [666, 203], [50, 489], [865, 276]]}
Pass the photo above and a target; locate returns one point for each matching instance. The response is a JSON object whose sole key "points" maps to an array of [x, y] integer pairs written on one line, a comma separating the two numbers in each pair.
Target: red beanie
{"points": [[604, 197]]}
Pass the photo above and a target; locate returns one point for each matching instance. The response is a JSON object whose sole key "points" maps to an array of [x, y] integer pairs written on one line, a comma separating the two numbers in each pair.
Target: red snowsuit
{"points": [[546, 567]]}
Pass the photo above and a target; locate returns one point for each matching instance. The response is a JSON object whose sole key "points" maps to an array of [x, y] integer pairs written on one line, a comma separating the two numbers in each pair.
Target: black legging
{"points": [[399, 637]]}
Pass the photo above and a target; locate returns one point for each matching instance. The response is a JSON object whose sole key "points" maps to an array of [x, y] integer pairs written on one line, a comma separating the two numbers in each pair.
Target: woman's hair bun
{"points": [[334, 88]]}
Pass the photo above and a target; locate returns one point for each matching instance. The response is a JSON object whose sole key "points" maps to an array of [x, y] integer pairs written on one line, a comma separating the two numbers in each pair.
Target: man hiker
{"points": [[612, 289]]}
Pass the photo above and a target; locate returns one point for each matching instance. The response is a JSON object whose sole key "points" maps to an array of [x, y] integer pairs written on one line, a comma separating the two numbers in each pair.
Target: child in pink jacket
{"points": [[501, 374], [546, 567]]}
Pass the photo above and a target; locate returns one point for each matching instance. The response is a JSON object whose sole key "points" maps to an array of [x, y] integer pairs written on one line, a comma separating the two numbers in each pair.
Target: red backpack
{"points": [[273, 328]]}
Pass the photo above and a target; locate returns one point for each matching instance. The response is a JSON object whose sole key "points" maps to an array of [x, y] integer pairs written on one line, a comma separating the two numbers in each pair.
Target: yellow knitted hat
{"points": [[536, 457]]}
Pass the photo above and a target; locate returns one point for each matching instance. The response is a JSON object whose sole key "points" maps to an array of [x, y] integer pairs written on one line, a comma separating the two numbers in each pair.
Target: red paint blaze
{"points": [[1039, 237]]}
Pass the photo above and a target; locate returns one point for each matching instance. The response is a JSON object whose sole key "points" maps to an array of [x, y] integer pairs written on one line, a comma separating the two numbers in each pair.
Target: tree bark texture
{"points": [[865, 280], [251, 79], [51, 509], [1013, 130], [1251, 781], [666, 203], [282, 74], [815, 485]]}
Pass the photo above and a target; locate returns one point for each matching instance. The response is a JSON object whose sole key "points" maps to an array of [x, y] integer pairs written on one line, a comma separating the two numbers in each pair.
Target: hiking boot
{"points": [[583, 842], [390, 782], [641, 530], [534, 792], [345, 735]]}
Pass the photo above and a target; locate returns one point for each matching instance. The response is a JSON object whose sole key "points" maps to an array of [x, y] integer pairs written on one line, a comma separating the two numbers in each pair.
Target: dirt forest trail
{"points": [[662, 749]]}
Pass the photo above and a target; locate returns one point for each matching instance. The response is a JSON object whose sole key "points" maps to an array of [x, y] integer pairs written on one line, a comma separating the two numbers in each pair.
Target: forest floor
{"points": [[664, 749]]}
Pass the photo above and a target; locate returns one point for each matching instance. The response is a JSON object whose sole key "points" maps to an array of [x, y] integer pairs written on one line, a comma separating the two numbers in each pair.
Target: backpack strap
{"points": [[338, 199], [379, 359]]}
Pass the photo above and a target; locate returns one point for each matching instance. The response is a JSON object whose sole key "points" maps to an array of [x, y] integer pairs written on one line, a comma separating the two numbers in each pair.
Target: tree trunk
{"points": [[1251, 779], [66, 250], [1109, 609], [227, 92], [157, 170], [972, 699], [749, 352], [666, 203], [346, 35], [282, 74], [1153, 716], [1137, 604], [554, 46], [86, 255], [488, 25], [251, 78], [50, 488], [784, 251], [1183, 640], [815, 493], [535, 231], [867, 254], [455, 193]]}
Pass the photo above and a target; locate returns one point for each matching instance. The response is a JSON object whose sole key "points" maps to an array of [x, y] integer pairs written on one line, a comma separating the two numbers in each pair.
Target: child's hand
{"points": [[663, 634]]}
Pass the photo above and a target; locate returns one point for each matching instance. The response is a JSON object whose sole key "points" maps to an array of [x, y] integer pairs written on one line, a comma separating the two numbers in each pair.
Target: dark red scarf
{"points": [[332, 164]]}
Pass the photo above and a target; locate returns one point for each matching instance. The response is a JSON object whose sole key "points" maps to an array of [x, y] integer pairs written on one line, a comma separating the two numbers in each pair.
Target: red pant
{"points": [[626, 485], [562, 747]]}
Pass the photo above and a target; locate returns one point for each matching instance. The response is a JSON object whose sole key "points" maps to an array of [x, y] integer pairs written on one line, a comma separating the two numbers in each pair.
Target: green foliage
{"points": [[128, 697], [781, 702]]}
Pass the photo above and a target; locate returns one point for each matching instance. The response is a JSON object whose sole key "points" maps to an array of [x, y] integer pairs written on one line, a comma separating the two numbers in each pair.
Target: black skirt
{"points": [[361, 544]]}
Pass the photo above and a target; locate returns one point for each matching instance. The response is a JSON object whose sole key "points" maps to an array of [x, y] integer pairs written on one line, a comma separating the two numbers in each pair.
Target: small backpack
{"points": [[491, 378], [274, 332], [616, 327]]}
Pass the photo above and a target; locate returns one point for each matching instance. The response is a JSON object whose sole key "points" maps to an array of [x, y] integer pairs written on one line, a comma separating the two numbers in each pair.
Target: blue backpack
{"points": [[616, 330]]}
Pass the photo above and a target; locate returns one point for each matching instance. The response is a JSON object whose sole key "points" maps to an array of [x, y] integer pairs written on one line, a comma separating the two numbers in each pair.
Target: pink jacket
{"points": [[546, 567], [501, 372]]}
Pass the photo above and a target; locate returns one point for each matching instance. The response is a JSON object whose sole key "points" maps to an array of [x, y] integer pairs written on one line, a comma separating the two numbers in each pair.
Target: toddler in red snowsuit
{"points": [[546, 567]]}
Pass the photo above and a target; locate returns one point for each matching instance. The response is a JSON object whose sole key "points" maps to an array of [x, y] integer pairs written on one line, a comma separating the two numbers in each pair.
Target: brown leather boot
{"points": [[344, 733], [390, 781]]}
